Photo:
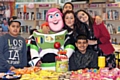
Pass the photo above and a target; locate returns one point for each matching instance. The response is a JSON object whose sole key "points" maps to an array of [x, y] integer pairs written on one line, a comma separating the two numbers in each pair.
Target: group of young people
{"points": [[89, 36]]}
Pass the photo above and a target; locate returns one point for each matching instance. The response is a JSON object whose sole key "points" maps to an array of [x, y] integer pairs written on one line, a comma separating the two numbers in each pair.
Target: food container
{"points": [[48, 66]]}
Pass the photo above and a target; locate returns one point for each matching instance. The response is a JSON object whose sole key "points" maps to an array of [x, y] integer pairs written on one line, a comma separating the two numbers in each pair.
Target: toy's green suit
{"points": [[44, 50]]}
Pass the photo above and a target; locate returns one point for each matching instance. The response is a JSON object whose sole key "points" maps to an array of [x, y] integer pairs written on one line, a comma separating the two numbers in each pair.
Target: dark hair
{"points": [[4, 18], [60, 9], [65, 26], [82, 36], [12, 22], [90, 19], [70, 4], [81, 27], [14, 17]]}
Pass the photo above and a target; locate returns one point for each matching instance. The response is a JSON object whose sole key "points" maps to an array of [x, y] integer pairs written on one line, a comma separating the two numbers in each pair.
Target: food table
{"points": [[49, 71], [36, 73]]}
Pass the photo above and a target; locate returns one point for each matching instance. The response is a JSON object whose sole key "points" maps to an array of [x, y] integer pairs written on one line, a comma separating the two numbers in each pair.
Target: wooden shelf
{"points": [[40, 20], [111, 20], [35, 2], [29, 20], [38, 12]]}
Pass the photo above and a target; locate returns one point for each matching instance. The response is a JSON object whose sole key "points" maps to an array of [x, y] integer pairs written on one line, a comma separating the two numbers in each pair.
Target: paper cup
{"points": [[101, 62]]}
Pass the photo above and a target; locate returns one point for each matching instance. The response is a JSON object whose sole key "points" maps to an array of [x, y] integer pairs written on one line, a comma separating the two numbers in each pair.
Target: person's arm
{"points": [[98, 20], [72, 66], [94, 62], [24, 52], [3, 61], [104, 35], [68, 40], [101, 33], [98, 41]]}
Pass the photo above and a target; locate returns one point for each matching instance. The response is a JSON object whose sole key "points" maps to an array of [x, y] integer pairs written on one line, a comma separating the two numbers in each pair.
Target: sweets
{"points": [[26, 70]]}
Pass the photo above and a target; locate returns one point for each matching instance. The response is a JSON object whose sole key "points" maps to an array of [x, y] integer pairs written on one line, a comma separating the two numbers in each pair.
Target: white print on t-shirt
{"points": [[14, 51], [16, 55]]}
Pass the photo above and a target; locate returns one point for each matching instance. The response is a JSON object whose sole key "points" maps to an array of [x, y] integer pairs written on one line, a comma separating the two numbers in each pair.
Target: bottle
{"points": [[115, 40]]}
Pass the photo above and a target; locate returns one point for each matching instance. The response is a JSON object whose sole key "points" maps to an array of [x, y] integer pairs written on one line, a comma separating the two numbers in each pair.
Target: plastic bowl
{"points": [[48, 64]]}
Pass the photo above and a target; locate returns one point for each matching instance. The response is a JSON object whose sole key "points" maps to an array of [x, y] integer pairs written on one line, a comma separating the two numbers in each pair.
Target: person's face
{"points": [[82, 16], [14, 29], [4, 21], [69, 20], [81, 45], [67, 7]]}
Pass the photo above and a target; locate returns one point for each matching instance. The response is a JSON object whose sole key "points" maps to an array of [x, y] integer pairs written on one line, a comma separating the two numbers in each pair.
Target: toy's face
{"points": [[55, 21]]}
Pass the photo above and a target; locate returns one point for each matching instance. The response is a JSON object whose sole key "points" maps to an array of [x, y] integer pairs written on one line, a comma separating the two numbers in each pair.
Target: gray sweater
{"points": [[12, 52]]}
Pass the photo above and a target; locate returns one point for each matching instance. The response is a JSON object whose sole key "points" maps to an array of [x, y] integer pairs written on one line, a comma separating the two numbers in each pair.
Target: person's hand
{"points": [[38, 64], [46, 30], [98, 20], [12, 68], [92, 42]]}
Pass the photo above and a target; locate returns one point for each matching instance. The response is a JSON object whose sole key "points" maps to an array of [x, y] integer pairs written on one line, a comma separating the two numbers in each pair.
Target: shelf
{"points": [[111, 20], [118, 34], [113, 7], [38, 12], [7, 1], [95, 7], [36, 2], [40, 20], [29, 20]]}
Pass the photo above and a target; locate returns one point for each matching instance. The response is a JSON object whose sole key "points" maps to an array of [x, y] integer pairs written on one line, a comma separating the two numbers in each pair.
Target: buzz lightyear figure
{"points": [[49, 44]]}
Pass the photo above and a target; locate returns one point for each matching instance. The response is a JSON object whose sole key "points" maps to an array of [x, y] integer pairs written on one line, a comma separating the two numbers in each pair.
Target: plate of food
{"points": [[11, 77]]}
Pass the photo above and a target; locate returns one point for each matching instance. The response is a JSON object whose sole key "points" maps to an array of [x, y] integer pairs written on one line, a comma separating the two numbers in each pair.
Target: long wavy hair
{"points": [[66, 26], [81, 27]]}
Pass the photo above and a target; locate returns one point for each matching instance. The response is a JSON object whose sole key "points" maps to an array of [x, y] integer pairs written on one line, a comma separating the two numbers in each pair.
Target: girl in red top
{"points": [[98, 36]]}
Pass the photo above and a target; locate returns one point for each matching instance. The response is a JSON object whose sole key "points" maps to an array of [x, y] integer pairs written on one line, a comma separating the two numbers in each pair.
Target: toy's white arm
{"points": [[70, 50], [34, 55]]}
